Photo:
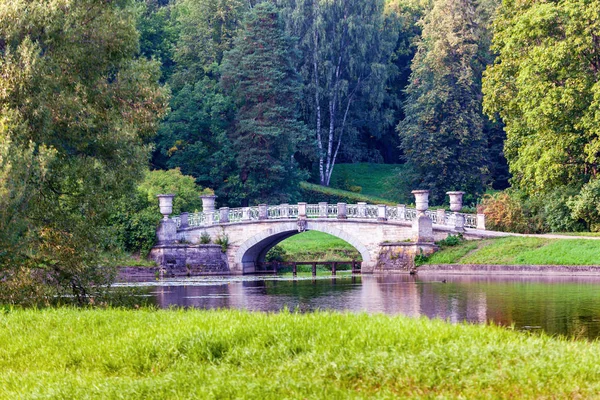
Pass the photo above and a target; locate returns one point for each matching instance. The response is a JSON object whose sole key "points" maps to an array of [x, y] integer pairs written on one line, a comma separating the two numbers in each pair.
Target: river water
{"points": [[558, 305]]}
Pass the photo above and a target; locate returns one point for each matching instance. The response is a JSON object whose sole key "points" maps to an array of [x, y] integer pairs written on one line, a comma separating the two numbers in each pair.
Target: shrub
{"points": [[586, 205], [504, 213], [558, 214], [355, 189], [276, 254], [451, 240]]}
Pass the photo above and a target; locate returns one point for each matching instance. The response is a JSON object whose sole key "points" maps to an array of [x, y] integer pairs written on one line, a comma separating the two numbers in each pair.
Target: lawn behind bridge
{"points": [[151, 354]]}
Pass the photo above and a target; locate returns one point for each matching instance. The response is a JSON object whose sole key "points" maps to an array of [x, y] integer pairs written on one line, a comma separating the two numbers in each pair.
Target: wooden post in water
{"points": [[314, 269], [295, 269], [333, 265]]}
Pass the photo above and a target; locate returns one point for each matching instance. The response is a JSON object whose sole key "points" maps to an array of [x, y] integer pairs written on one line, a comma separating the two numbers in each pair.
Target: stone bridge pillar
{"points": [[208, 207], [455, 207], [167, 229], [422, 225]]}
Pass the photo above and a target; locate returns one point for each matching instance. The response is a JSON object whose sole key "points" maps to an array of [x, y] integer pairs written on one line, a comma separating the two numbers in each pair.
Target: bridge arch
{"points": [[255, 248]]}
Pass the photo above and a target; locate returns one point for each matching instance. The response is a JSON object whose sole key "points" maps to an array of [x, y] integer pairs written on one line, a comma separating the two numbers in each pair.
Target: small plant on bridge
{"points": [[205, 238], [223, 241]]}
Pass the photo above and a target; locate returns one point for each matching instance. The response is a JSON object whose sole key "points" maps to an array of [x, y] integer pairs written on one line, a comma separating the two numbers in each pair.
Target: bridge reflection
{"points": [[394, 294]]}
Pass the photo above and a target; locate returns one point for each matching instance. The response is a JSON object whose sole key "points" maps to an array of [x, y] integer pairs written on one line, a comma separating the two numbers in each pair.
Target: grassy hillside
{"points": [[317, 246], [378, 180], [186, 354], [521, 251]]}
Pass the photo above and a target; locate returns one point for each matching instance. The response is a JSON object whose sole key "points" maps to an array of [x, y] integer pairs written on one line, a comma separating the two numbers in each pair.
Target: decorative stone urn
{"points": [[421, 200], [456, 201], [422, 225], [167, 229], [165, 203], [456, 204], [208, 203]]}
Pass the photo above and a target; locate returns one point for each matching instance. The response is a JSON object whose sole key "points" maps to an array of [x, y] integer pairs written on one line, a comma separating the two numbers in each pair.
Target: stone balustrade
{"points": [[342, 211]]}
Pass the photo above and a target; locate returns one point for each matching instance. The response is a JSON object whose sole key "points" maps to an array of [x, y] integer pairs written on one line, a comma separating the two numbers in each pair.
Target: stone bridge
{"points": [[376, 231]]}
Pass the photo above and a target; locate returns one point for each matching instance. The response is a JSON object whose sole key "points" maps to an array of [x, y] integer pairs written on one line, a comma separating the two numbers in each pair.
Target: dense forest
{"points": [[266, 95], [104, 104]]}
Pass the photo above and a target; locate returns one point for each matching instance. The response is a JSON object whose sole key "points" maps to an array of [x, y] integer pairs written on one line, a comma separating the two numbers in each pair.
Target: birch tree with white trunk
{"points": [[346, 52]]}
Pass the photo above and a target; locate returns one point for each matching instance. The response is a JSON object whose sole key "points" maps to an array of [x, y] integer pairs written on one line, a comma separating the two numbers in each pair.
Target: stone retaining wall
{"points": [[187, 259], [491, 269], [400, 257]]}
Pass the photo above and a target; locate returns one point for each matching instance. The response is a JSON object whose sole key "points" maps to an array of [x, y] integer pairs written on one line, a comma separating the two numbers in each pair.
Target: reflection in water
{"points": [[559, 305]]}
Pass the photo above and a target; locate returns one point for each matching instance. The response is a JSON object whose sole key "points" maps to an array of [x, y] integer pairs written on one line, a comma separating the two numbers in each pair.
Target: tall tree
{"points": [[545, 85], [260, 75], [78, 112], [346, 47], [442, 133], [193, 136]]}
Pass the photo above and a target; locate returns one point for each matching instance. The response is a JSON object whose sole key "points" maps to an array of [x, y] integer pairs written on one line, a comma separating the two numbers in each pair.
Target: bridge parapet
{"points": [[362, 211]]}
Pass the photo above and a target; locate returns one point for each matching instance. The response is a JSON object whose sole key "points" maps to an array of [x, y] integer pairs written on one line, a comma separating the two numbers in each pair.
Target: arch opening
{"points": [[254, 250]]}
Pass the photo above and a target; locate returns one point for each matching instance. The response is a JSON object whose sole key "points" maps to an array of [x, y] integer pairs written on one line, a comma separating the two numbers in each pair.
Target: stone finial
{"points": [[165, 203], [456, 201], [421, 200], [208, 203]]}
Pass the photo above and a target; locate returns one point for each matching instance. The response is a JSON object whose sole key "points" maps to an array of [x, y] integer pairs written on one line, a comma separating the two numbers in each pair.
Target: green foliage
{"points": [[193, 137], [586, 205], [205, 238], [138, 215], [347, 47], [158, 34], [277, 253], [558, 212], [172, 182], [544, 86], [510, 211], [260, 75], [450, 241], [442, 134], [78, 111], [158, 354], [223, 241]]}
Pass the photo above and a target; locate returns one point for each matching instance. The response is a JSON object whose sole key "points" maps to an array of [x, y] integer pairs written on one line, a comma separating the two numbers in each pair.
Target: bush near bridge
{"points": [[148, 354]]}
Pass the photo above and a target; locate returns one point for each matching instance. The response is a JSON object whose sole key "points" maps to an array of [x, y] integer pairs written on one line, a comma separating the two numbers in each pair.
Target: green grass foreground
{"points": [[148, 354], [521, 251]]}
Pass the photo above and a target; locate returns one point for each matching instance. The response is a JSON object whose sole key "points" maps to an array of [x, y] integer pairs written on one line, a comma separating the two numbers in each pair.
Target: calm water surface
{"points": [[558, 305]]}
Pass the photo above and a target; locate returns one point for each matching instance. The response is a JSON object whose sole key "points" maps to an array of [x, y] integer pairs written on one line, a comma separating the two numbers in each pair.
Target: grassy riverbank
{"points": [[145, 354], [521, 251]]}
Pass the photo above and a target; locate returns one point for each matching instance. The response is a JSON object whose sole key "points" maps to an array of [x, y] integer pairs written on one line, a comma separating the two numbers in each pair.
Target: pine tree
{"points": [[259, 74], [442, 133]]}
